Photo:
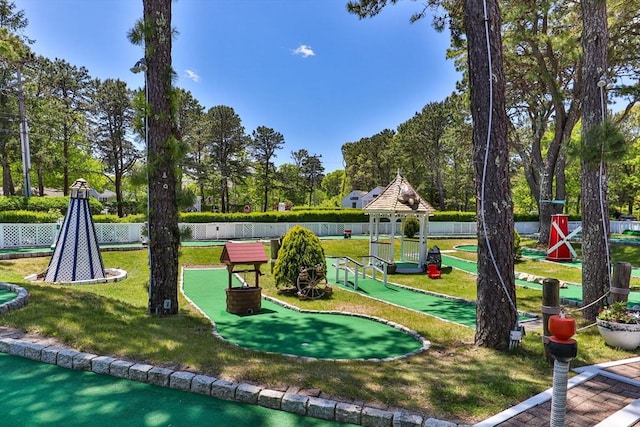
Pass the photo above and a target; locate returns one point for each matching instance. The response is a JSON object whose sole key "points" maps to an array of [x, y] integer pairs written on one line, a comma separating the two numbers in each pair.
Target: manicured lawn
{"points": [[453, 380]]}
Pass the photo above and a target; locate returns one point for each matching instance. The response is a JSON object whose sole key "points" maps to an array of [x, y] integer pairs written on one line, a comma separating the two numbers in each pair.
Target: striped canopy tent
{"points": [[76, 257], [396, 203]]}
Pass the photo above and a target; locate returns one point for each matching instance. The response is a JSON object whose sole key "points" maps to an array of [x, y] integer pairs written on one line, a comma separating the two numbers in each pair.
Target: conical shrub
{"points": [[300, 249]]}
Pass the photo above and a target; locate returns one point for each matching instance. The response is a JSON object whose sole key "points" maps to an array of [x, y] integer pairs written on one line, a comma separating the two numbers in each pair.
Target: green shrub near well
{"points": [[300, 249]]}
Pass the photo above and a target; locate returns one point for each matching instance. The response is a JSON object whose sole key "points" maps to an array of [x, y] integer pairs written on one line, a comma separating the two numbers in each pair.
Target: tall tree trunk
{"points": [[164, 236], [40, 176], [545, 207], [118, 185], [8, 189], [266, 192], [561, 184], [595, 205], [440, 187], [65, 160], [496, 309]]}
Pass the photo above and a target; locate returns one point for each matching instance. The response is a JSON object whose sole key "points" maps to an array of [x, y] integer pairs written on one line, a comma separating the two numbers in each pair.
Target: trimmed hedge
{"points": [[42, 204], [12, 210], [28, 217]]}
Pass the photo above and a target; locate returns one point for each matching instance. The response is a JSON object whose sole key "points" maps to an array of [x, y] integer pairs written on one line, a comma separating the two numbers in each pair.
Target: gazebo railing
{"points": [[410, 250], [382, 250]]}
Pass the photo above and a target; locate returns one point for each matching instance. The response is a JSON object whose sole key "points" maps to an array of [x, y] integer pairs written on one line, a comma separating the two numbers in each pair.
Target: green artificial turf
{"points": [[6, 296], [569, 292], [39, 394], [450, 309], [281, 330]]}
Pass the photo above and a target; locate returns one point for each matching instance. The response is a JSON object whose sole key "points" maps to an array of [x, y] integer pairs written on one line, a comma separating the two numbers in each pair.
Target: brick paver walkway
{"points": [[587, 404], [606, 395]]}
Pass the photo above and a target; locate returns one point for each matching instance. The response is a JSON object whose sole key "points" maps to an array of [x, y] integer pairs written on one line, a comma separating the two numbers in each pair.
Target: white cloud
{"points": [[192, 75], [304, 50]]}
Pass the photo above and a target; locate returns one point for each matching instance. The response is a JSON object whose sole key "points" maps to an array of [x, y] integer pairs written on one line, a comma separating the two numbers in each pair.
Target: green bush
{"points": [[453, 216], [517, 248], [344, 215], [300, 248], [105, 218], [411, 226], [28, 217], [43, 204]]}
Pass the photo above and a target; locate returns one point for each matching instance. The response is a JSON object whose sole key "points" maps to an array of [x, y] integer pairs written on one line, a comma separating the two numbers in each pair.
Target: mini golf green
{"points": [[450, 309], [282, 330], [6, 296], [542, 256], [39, 394], [572, 292]]}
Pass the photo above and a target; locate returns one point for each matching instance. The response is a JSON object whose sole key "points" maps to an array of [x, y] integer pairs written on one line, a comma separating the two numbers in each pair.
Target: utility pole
{"points": [[24, 138]]}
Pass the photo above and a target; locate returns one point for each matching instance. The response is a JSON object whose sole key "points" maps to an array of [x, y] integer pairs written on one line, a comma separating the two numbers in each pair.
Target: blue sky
{"points": [[306, 68]]}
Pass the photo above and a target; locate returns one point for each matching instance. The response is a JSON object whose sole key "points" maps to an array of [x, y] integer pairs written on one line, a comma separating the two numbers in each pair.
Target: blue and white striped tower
{"points": [[76, 256]]}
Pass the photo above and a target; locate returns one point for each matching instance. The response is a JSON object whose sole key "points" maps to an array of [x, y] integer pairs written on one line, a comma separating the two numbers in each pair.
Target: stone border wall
{"points": [[20, 301], [295, 403]]}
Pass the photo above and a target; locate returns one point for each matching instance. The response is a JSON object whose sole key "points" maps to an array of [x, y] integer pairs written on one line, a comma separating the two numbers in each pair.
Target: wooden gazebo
{"points": [[244, 299], [398, 202]]}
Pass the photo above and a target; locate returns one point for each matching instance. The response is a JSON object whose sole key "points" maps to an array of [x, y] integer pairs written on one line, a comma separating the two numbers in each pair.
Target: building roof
{"points": [[399, 197], [358, 192], [373, 193], [243, 253]]}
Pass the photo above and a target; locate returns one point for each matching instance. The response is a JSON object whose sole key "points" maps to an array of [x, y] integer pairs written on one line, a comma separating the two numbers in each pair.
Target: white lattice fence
{"points": [[118, 233], [26, 235], [40, 235]]}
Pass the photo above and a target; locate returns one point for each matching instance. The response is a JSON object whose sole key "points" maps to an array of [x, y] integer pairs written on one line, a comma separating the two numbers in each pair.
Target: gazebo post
{"points": [[402, 257], [393, 236], [373, 231], [422, 257]]}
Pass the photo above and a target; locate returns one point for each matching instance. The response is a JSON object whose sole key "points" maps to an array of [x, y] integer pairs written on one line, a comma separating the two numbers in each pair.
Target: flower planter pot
{"points": [[621, 335]]}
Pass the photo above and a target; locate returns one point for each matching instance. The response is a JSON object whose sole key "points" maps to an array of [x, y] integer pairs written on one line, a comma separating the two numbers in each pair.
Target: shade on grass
{"points": [[281, 330], [6, 296], [40, 394]]}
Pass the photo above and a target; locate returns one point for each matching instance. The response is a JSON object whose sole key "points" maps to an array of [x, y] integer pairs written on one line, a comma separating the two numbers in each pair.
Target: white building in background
{"points": [[358, 199], [367, 198], [105, 196], [353, 199]]}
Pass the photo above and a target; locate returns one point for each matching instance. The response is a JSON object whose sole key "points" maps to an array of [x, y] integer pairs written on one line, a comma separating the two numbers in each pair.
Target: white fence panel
{"points": [[26, 235], [40, 235], [620, 226]]}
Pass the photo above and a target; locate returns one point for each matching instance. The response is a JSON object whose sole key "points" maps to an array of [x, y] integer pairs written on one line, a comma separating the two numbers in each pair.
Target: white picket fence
{"points": [[42, 235]]}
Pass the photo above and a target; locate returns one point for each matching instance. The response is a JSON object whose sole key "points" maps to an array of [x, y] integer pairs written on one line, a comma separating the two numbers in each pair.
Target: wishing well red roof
{"points": [[243, 253]]}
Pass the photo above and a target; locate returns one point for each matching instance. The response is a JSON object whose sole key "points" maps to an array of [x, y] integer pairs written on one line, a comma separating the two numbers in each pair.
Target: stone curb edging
{"points": [[18, 302], [210, 386], [113, 275]]}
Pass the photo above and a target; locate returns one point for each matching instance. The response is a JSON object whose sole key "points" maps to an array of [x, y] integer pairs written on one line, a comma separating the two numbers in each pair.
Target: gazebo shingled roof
{"points": [[399, 197]]}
